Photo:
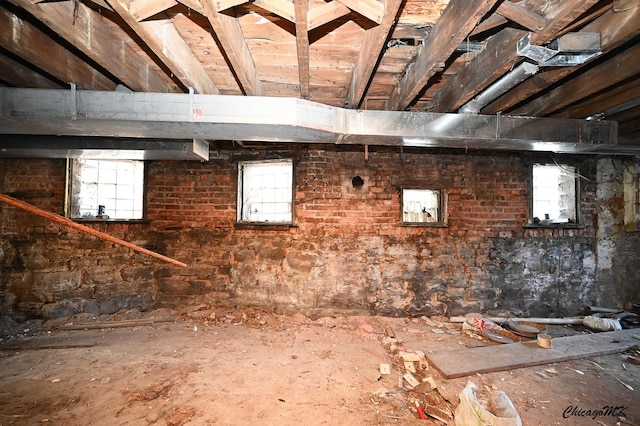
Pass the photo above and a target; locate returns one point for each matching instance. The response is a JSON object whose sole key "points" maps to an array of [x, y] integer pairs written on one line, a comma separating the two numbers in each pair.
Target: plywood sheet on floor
{"points": [[487, 359]]}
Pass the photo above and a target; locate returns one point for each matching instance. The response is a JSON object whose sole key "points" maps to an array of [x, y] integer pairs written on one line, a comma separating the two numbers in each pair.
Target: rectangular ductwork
{"points": [[568, 50], [40, 146], [170, 116]]}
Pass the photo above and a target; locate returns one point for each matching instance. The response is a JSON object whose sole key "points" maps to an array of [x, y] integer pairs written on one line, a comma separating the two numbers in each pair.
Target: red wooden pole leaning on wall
{"points": [[64, 221]]}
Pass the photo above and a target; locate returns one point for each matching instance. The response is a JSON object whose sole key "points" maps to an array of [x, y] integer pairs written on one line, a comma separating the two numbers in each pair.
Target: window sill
{"points": [[111, 221], [265, 226], [425, 225], [555, 226]]}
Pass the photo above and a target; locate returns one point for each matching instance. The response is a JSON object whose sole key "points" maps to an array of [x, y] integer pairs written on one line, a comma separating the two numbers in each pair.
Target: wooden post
{"points": [[64, 221]]}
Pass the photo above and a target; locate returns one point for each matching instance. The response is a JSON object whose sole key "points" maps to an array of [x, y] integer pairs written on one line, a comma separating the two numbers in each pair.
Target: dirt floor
{"points": [[248, 367]]}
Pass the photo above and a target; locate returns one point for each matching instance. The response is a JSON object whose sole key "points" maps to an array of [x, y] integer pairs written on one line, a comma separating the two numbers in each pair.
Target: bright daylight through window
{"points": [[554, 194], [265, 191], [106, 189], [421, 206]]}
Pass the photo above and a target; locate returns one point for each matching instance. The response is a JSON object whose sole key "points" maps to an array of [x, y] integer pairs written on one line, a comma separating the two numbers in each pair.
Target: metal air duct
{"points": [[178, 116], [500, 87]]}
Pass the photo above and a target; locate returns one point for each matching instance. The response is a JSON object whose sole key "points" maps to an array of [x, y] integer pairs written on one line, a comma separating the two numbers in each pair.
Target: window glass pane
{"points": [[554, 193], [106, 192], [90, 172], [115, 184], [125, 191], [266, 190], [421, 205], [107, 172]]}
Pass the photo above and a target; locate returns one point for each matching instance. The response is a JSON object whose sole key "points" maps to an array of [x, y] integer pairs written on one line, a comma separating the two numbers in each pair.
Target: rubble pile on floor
{"points": [[417, 389]]}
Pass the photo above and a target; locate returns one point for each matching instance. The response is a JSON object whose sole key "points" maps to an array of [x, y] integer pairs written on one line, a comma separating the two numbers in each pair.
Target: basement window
{"points": [[423, 206], [554, 194], [265, 192], [106, 189]]}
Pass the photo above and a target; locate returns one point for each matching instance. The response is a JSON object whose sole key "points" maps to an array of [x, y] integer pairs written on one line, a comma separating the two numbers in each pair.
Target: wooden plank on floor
{"points": [[116, 324], [28, 347], [488, 359]]}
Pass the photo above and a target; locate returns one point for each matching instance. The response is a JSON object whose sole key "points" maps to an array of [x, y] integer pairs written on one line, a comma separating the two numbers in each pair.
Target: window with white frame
{"points": [[265, 191], [422, 206], [554, 195], [106, 189]]}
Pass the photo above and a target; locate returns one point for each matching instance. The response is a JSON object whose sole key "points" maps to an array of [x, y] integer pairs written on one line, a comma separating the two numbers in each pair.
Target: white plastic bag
{"points": [[498, 412], [601, 324]]}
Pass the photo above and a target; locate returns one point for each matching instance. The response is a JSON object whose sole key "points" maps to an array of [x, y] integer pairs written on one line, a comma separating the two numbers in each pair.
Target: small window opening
{"points": [[554, 194], [106, 189], [422, 206], [265, 191]]}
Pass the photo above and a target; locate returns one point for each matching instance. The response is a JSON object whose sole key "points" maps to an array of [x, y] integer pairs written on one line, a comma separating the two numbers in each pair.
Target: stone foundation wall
{"points": [[346, 253]]}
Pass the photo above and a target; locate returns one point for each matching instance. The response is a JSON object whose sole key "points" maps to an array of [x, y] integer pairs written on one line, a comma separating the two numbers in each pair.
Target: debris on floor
{"points": [[386, 368], [496, 409], [416, 385], [632, 355]]}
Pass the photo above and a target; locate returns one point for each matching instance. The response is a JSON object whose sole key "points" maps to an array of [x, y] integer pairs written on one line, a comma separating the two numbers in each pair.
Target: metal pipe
{"points": [[500, 87], [64, 221], [615, 110]]}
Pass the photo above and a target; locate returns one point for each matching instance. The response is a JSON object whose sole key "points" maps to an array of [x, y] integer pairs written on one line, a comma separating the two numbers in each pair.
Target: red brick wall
{"points": [[191, 194], [487, 195], [346, 251], [38, 182]]}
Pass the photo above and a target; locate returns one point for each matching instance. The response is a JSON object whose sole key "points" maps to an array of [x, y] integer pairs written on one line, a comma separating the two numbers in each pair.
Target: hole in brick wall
{"points": [[357, 182]]}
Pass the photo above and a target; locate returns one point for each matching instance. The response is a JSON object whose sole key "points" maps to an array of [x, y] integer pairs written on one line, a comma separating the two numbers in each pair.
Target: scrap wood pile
{"points": [[417, 390]]}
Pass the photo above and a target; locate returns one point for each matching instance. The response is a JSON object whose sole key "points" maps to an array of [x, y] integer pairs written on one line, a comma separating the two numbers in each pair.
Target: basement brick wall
{"points": [[40, 182], [346, 253]]}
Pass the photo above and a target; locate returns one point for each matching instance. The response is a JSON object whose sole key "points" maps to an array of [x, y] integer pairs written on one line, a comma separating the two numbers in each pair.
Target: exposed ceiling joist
{"points": [[559, 17], [324, 13], [519, 14], [619, 97], [498, 56], [373, 42], [282, 8], [227, 30], [143, 9], [615, 28], [16, 34], [302, 45], [165, 42], [98, 38], [372, 9], [101, 4], [491, 23], [195, 5], [17, 74], [444, 39], [220, 5]]}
